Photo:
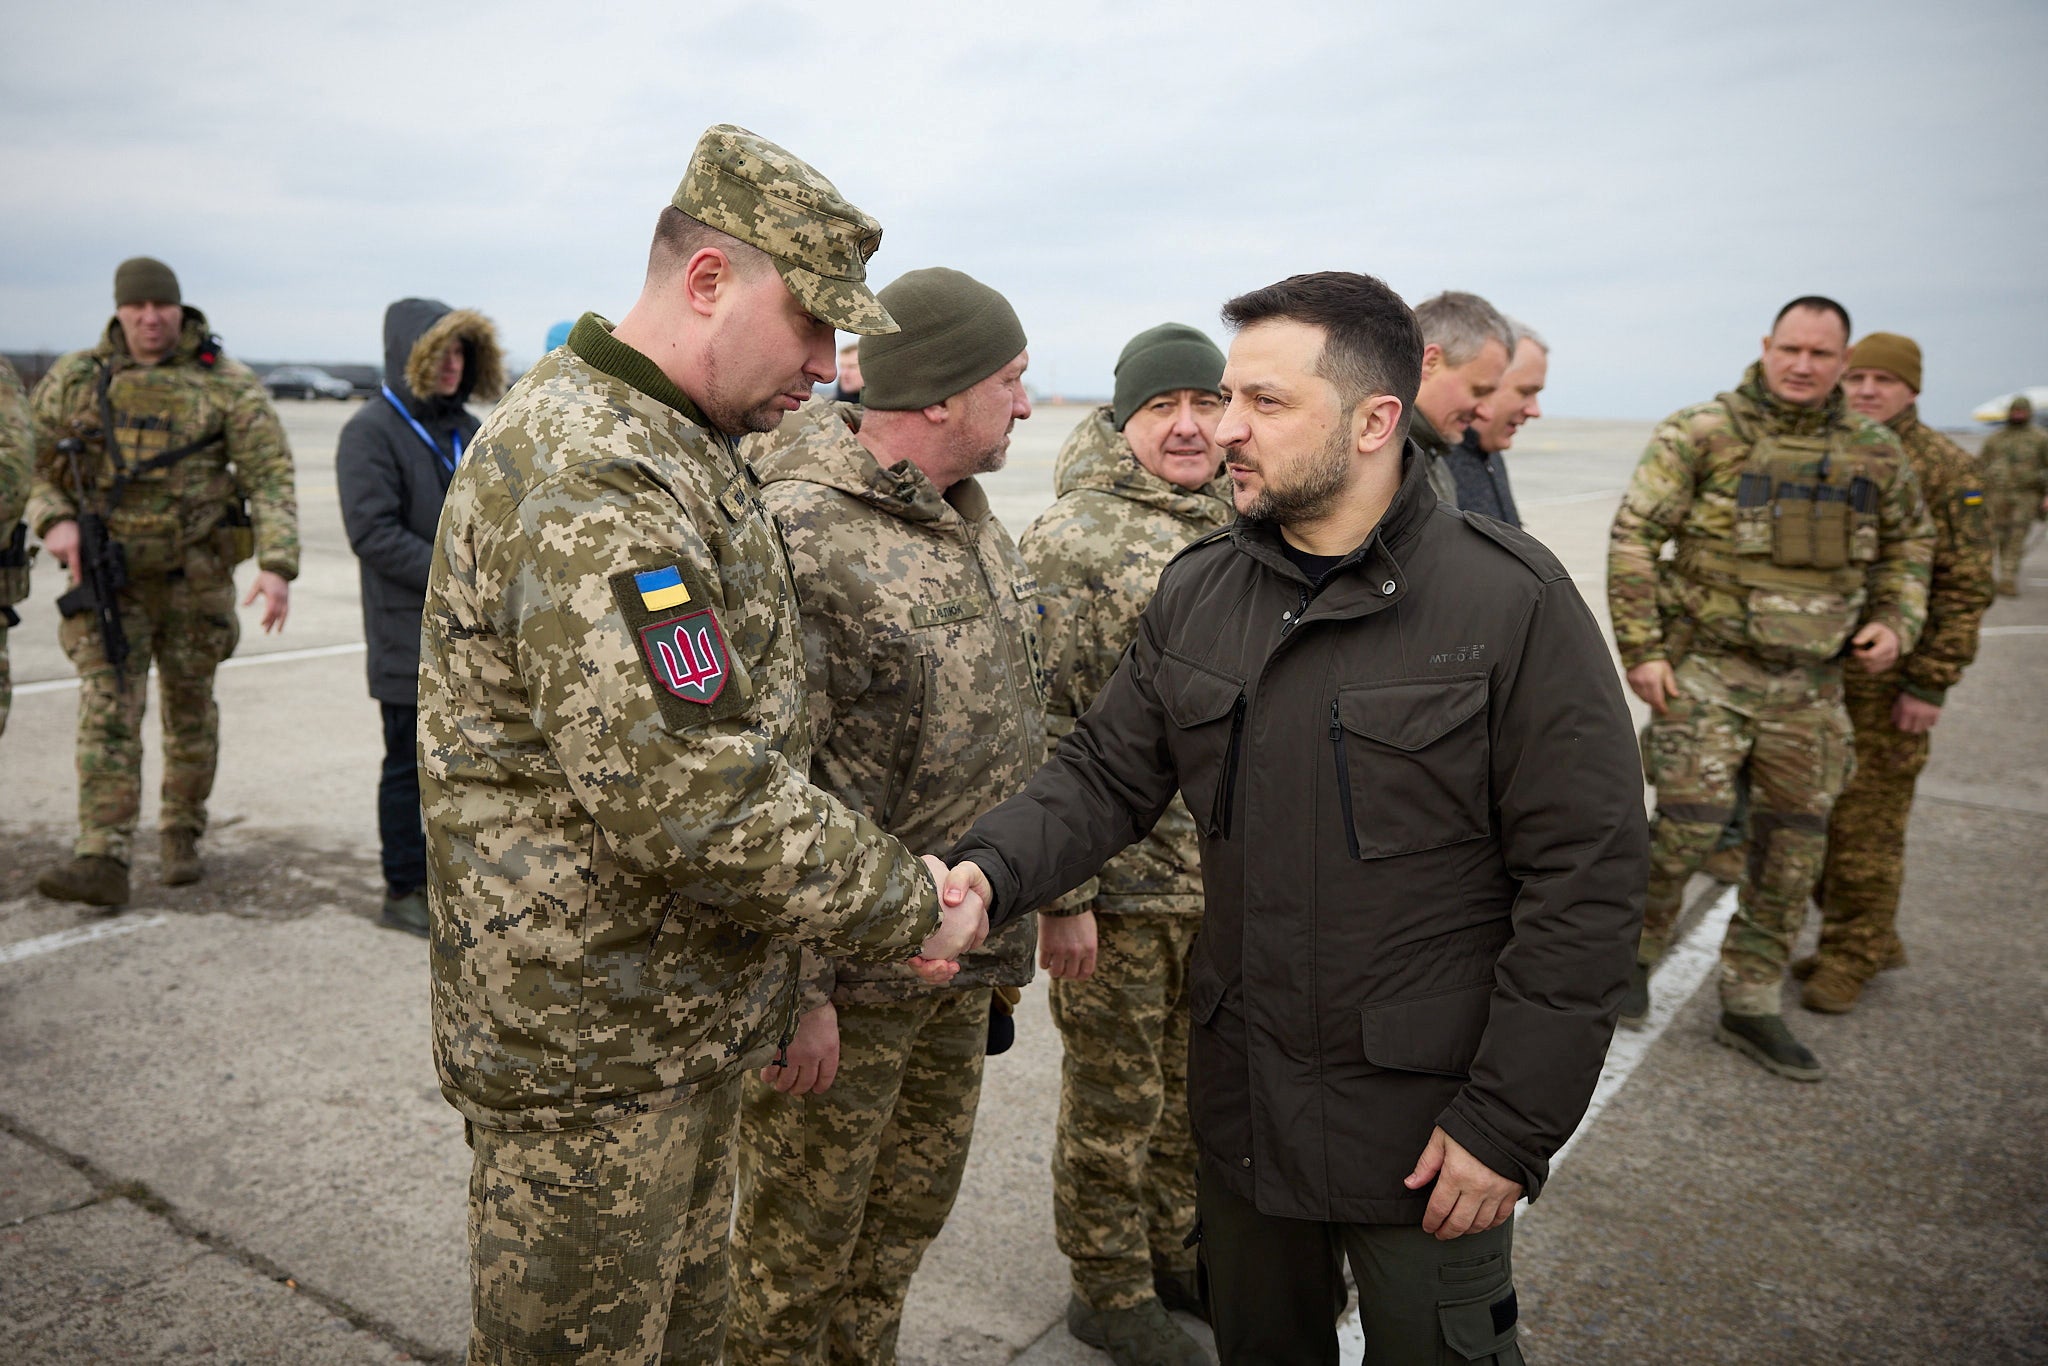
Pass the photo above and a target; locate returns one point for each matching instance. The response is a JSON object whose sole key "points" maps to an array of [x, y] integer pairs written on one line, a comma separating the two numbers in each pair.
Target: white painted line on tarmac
{"points": [[2012, 630], [240, 662], [1687, 964], [82, 934]]}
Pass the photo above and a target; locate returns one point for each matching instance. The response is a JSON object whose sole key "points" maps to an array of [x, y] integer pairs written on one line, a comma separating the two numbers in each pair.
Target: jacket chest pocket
{"points": [[1412, 762], [1207, 708]]}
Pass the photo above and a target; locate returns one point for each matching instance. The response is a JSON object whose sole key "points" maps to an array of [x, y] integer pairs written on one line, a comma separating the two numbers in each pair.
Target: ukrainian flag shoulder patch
{"points": [[661, 589], [1973, 498]]}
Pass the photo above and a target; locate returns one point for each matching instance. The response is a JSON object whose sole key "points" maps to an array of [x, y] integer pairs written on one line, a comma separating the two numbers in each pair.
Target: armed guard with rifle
{"points": [[159, 466]]}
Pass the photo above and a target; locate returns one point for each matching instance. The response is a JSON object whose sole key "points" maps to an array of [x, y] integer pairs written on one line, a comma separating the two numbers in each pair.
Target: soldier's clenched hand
{"points": [[808, 1065], [1655, 683], [1470, 1197], [1877, 647], [1067, 945]]}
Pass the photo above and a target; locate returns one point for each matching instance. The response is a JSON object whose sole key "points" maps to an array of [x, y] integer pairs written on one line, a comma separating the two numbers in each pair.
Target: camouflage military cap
{"points": [[741, 183]]}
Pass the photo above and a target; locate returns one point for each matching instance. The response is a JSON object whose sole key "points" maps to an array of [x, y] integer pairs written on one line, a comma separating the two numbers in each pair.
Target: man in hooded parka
{"points": [[392, 466]]}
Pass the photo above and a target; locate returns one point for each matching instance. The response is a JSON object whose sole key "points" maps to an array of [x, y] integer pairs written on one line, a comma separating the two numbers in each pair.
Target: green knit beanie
{"points": [[145, 280], [955, 333], [1160, 360]]}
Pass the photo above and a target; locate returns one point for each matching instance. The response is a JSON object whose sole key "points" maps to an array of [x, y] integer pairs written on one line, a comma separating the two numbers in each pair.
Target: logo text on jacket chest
{"points": [[1460, 654]]}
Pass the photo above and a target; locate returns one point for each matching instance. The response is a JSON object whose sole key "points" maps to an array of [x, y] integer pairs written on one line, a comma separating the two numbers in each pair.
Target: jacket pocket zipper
{"points": [[1219, 813], [790, 993], [1343, 780]]}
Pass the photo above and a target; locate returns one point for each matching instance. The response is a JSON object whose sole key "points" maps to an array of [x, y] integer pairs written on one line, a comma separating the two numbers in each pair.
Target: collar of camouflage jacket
{"points": [[114, 342], [1096, 456], [820, 444], [1756, 403], [1906, 420], [592, 339]]}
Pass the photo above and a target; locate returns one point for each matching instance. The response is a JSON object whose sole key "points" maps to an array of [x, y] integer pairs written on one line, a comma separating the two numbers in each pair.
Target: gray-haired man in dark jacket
{"points": [[392, 467], [1423, 848]]}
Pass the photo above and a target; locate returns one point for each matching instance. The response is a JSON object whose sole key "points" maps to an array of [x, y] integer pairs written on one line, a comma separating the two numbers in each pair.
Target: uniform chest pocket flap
{"points": [[1412, 764], [1207, 710]]}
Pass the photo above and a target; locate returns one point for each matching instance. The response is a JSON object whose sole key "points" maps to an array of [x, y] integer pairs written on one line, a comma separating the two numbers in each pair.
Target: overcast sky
{"points": [[1644, 184]]}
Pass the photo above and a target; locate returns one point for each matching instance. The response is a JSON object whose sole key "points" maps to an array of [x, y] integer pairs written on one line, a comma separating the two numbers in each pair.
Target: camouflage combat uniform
{"points": [[621, 844], [1754, 615], [1124, 1159], [1866, 855], [2015, 463], [918, 618], [17, 453], [176, 525]]}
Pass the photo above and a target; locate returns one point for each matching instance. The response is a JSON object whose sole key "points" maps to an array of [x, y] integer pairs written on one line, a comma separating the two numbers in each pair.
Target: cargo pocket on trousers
{"points": [[1482, 1327], [530, 1213]]}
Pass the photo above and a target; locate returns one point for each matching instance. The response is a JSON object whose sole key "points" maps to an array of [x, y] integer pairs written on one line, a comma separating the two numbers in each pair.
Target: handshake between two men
{"points": [[964, 897]]}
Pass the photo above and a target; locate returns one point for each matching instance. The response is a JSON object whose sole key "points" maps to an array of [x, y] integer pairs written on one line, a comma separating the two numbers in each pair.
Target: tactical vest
{"points": [[1805, 534], [138, 442]]}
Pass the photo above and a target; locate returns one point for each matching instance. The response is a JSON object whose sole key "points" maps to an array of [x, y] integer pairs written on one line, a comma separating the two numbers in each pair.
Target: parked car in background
{"points": [[305, 381]]}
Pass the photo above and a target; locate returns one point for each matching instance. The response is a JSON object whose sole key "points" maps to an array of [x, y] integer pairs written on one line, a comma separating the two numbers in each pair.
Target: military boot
{"points": [[1895, 957], [178, 858], [92, 878], [1765, 1040], [1145, 1336], [1831, 990], [1635, 1002], [408, 913], [1179, 1288]]}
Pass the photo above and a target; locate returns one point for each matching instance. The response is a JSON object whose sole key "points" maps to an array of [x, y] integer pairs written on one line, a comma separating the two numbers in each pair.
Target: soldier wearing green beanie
{"points": [[179, 455], [955, 332], [1160, 360], [145, 280], [919, 621]]}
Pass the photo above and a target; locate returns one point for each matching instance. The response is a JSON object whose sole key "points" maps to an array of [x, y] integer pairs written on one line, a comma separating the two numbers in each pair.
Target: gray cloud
{"points": [[1643, 183]]}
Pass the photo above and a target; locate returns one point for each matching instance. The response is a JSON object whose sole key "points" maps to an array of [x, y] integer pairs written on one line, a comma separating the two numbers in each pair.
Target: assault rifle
{"points": [[102, 570]]}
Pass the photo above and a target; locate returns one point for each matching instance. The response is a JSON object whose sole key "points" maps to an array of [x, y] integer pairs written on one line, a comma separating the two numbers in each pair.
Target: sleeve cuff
{"points": [[1499, 1156], [1933, 696]]}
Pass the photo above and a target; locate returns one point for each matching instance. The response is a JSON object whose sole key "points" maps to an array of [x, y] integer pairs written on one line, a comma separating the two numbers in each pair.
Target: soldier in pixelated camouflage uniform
{"points": [[1137, 481], [918, 618], [17, 454], [181, 453], [623, 850], [1801, 539], [1895, 711], [2015, 464]]}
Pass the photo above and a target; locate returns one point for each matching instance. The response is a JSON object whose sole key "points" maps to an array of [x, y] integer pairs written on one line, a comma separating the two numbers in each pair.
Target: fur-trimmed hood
{"points": [[415, 330]]}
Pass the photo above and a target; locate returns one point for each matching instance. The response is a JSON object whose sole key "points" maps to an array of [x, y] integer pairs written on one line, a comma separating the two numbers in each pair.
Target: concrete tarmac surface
{"points": [[221, 1136]]}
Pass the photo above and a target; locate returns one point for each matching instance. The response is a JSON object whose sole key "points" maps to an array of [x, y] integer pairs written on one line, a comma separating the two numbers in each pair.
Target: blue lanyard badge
{"points": [[448, 462]]}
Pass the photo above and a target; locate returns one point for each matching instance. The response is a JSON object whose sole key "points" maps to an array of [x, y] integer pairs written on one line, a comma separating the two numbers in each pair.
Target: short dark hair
{"points": [[1818, 303], [678, 237], [1372, 344]]}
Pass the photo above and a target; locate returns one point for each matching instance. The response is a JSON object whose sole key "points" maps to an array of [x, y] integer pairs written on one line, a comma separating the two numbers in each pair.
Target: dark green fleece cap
{"points": [[954, 333], [145, 280], [1160, 360]]}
